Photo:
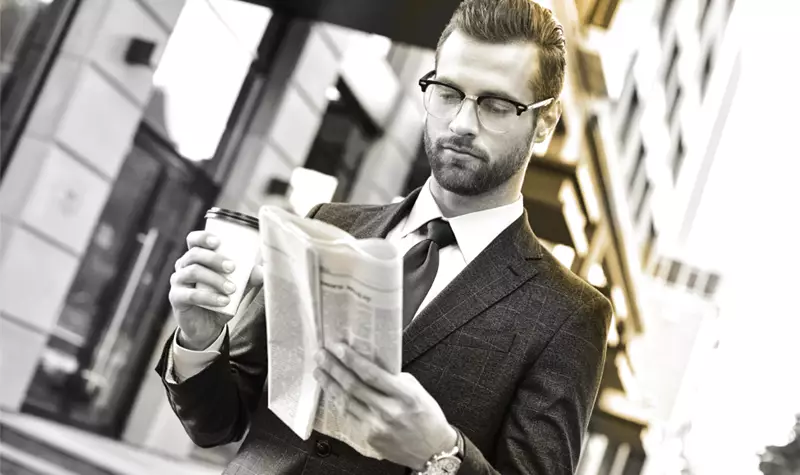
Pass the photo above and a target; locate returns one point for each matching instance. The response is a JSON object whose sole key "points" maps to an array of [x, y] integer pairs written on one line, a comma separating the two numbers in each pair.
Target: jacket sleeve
{"points": [[546, 422], [215, 404]]}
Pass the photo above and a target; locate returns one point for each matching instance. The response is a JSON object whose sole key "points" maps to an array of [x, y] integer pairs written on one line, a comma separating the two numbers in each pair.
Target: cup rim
{"points": [[232, 216]]}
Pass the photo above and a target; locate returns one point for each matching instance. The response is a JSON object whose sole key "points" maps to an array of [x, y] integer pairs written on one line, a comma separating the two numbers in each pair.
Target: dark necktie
{"points": [[420, 265]]}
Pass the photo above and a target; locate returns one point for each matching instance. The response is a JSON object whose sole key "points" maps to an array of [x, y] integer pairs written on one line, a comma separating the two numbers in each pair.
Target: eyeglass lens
{"points": [[445, 102]]}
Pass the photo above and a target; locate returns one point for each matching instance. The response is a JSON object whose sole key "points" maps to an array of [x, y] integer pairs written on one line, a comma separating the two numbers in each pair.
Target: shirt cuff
{"points": [[184, 363]]}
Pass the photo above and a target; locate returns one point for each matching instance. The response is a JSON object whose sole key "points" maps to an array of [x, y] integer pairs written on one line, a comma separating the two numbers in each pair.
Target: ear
{"points": [[546, 121]]}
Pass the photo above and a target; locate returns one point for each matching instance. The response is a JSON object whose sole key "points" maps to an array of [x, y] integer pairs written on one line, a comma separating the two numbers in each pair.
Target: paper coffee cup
{"points": [[238, 236]]}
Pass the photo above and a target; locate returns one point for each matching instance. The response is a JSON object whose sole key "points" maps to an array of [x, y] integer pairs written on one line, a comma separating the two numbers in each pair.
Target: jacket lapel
{"points": [[378, 224], [499, 270]]}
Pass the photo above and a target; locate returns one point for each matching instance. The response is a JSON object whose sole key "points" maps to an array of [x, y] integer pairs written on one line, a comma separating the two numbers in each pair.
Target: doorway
{"points": [[210, 73], [116, 308]]}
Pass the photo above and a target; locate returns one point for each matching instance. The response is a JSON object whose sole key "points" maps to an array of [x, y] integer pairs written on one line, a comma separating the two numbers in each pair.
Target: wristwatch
{"points": [[447, 462]]}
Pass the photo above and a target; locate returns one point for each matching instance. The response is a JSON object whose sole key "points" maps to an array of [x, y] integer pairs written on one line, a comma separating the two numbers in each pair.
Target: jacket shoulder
{"points": [[573, 292], [344, 215]]}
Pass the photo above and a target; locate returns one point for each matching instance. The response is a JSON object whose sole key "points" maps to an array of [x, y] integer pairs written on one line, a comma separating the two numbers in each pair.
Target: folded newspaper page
{"points": [[322, 286]]}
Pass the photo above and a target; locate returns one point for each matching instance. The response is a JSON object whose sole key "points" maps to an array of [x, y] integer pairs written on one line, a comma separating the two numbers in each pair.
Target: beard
{"points": [[477, 175]]}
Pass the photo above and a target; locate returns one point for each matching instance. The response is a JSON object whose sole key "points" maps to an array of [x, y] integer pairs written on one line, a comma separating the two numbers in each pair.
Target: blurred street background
{"points": [[671, 184]]}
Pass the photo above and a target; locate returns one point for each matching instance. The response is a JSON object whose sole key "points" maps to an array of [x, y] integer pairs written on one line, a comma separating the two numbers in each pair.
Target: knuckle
{"points": [[348, 384], [192, 254], [377, 432], [369, 378], [193, 271], [413, 403], [336, 392], [394, 413]]}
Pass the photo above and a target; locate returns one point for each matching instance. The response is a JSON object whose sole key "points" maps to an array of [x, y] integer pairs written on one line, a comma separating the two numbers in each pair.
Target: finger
{"points": [[345, 403], [197, 274], [348, 380], [357, 410], [207, 258], [202, 239], [187, 297], [371, 374]]}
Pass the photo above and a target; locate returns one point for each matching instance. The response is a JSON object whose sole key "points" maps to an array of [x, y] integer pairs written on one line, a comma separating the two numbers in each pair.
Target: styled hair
{"points": [[512, 21]]}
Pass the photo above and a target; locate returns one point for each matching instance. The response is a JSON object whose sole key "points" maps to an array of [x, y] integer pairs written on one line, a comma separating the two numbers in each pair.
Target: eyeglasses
{"points": [[496, 114]]}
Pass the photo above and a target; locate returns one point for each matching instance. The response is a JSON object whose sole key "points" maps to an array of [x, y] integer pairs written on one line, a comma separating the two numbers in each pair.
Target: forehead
{"points": [[477, 66]]}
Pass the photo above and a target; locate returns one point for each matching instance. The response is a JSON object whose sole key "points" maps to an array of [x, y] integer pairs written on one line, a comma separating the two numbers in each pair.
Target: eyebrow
{"points": [[486, 92]]}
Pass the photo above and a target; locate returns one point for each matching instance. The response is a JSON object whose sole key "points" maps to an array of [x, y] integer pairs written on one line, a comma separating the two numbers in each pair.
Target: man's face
{"points": [[465, 157]]}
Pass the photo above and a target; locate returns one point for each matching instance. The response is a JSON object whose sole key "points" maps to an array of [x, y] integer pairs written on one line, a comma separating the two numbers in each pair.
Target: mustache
{"points": [[463, 145]]}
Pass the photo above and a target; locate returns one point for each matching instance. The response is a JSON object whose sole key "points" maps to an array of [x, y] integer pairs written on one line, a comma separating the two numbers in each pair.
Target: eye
{"points": [[446, 93], [498, 106]]}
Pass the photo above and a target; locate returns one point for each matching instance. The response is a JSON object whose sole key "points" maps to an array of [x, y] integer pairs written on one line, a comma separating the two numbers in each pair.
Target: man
{"points": [[503, 348]]}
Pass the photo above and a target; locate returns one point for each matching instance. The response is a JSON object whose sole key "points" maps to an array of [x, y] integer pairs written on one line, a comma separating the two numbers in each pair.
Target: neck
{"points": [[452, 204]]}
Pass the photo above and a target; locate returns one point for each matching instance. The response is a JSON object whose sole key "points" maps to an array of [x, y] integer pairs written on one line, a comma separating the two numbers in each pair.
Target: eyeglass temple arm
{"points": [[539, 104]]}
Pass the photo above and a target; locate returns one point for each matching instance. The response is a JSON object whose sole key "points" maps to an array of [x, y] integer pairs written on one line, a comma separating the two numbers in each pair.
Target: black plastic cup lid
{"points": [[232, 216]]}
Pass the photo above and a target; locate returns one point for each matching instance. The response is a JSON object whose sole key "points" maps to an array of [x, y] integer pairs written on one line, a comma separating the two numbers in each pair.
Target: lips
{"points": [[463, 151]]}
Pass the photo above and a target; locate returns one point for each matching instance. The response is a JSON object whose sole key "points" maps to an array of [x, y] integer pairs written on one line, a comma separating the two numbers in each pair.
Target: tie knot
{"points": [[440, 232]]}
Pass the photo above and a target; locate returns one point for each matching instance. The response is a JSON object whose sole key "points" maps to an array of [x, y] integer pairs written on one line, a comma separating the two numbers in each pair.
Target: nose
{"points": [[466, 121]]}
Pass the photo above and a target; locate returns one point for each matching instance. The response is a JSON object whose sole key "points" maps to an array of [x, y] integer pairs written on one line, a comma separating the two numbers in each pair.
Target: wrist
{"points": [[452, 439], [449, 442], [198, 340]]}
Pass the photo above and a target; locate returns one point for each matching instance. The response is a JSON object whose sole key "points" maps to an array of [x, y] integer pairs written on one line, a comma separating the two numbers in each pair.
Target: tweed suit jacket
{"points": [[512, 349]]}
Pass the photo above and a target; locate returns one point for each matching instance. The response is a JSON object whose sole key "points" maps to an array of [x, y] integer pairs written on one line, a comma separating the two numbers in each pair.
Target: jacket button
{"points": [[322, 448]]}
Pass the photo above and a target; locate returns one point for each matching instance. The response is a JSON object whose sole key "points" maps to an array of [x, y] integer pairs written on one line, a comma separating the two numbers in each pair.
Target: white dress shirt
{"points": [[474, 232]]}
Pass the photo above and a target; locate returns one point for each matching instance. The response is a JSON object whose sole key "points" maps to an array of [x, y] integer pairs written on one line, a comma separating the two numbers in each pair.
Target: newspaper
{"points": [[322, 286]]}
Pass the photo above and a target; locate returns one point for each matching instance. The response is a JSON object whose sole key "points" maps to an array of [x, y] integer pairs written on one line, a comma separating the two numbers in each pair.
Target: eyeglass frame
{"points": [[426, 81]]}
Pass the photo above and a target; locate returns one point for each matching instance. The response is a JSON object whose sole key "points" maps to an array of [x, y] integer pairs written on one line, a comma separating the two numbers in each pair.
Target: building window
{"points": [[629, 72], [705, 7], [691, 282], [708, 65], [712, 284], [643, 201], [661, 268], [344, 137], [630, 115], [672, 64], [31, 33], [637, 166], [649, 245], [673, 104], [666, 12], [677, 158], [674, 272]]}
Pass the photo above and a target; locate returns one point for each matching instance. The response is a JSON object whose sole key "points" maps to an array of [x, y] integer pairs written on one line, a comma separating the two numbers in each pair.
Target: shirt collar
{"points": [[474, 231]]}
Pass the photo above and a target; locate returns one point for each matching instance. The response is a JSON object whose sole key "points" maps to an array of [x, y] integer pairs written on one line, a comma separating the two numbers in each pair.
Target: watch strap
{"points": [[459, 443]]}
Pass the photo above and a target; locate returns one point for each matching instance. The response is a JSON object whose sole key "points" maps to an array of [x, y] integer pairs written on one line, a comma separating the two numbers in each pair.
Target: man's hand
{"points": [[402, 421], [202, 264]]}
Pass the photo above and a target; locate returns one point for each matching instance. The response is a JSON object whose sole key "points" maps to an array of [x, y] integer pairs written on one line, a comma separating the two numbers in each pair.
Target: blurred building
{"points": [[672, 72], [125, 120]]}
